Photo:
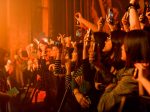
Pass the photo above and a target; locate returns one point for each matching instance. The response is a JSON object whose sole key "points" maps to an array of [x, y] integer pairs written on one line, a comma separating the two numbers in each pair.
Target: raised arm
{"points": [[142, 80], [125, 22], [133, 16], [85, 22]]}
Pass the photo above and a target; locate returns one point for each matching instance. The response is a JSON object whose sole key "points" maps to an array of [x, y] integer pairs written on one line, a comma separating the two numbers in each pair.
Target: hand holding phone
{"points": [[110, 15]]}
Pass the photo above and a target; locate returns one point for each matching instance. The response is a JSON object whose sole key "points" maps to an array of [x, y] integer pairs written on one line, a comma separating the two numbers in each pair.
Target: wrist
{"points": [[81, 20], [68, 72], [76, 91], [131, 2], [133, 5], [141, 79]]}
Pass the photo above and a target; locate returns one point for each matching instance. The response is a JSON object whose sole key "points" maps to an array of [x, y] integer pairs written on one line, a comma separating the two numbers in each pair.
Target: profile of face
{"points": [[116, 13], [68, 41], [54, 51], [123, 53], [108, 45], [91, 49], [48, 52], [42, 46]]}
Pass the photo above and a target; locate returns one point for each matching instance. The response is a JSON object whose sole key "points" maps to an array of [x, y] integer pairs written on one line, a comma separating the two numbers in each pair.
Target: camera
{"points": [[57, 43], [78, 33]]}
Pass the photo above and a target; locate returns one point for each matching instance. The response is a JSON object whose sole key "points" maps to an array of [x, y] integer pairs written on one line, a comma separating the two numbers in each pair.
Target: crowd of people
{"points": [[107, 70]]}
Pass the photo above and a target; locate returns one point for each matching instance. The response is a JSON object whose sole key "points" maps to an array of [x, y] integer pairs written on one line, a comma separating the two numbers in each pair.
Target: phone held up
{"points": [[110, 15]]}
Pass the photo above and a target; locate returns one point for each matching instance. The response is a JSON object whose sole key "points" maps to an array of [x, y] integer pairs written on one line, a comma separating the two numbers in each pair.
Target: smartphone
{"points": [[110, 15], [78, 33]]}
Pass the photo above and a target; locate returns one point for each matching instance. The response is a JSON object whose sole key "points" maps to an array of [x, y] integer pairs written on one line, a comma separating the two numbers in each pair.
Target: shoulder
{"points": [[125, 72]]}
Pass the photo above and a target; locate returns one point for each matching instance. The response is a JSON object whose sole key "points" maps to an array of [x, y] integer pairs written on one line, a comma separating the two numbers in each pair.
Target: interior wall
{"points": [[20, 22], [3, 28], [23, 20]]}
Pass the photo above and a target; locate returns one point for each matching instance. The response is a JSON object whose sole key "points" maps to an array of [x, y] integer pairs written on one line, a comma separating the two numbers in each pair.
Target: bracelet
{"points": [[131, 7], [135, 6]]}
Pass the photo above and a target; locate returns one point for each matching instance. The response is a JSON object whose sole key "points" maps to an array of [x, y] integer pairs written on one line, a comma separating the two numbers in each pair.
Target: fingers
{"points": [[97, 85], [148, 14], [126, 15], [79, 80], [77, 15], [100, 21], [135, 73], [107, 18], [51, 67], [84, 102], [124, 18], [74, 44], [141, 17], [140, 69], [140, 65]]}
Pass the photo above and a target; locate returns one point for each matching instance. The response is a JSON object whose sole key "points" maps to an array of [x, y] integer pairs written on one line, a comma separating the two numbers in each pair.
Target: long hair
{"points": [[79, 55], [3, 54], [137, 47], [100, 38], [117, 38]]}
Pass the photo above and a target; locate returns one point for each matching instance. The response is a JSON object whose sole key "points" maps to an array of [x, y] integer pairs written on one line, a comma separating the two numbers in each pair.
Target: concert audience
{"points": [[108, 64]]}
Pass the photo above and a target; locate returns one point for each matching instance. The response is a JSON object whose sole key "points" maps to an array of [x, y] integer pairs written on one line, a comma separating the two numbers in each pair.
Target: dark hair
{"points": [[79, 53], [3, 54], [121, 6], [137, 47], [100, 38], [117, 38]]}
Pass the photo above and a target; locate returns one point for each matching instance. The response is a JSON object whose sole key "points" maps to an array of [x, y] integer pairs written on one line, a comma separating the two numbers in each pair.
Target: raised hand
{"points": [[78, 17], [100, 23], [60, 38], [82, 100], [134, 1], [124, 19], [140, 69]]}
